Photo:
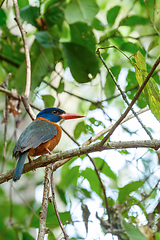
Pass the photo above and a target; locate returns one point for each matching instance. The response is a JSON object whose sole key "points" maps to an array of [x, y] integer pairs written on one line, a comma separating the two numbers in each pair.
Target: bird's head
{"points": [[56, 114]]}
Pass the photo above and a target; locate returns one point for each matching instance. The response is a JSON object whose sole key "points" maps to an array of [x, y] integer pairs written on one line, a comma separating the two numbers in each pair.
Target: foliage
{"points": [[63, 37]]}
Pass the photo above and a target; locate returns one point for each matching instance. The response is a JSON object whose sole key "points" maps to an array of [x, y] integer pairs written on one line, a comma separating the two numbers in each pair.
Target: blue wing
{"points": [[37, 132]]}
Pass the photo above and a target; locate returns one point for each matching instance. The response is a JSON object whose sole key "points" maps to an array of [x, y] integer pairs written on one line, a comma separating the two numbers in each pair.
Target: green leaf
{"points": [[70, 177], [45, 39], [3, 74], [109, 84], [92, 107], [82, 62], [154, 43], [39, 66], [132, 232], [157, 236], [98, 25], [105, 168], [92, 178], [112, 14], [132, 83], [53, 16], [27, 236], [2, 17], [82, 34], [22, 4], [51, 236], [124, 152], [130, 47], [11, 49], [30, 14], [52, 221], [151, 90], [127, 189], [60, 87], [81, 11], [131, 80], [134, 20], [61, 193], [9, 233], [150, 8], [82, 127], [96, 122], [85, 192], [48, 100]]}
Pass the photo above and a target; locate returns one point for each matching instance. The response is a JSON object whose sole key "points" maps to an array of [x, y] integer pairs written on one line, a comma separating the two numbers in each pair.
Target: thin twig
{"points": [[1, 3], [16, 96], [136, 96], [43, 213], [105, 130], [96, 103], [6, 115], [97, 172], [70, 93], [24, 201], [26, 50], [28, 108], [117, 95], [123, 94], [66, 237], [127, 207], [28, 62], [131, 37]]}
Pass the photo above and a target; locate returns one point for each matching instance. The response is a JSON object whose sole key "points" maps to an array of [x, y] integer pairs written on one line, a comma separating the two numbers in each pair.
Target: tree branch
{"points": [[43, 213], [26, 50], [66, 237], [16, 96], [123, 94], [44, 160], [105, 130], [28, 63]]}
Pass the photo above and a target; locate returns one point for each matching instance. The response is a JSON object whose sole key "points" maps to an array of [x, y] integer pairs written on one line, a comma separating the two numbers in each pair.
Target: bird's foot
{"points": [[30, 160], [50, 153]]}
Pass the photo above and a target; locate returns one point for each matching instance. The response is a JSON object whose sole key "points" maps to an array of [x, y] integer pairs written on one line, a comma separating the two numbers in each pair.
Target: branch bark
{"points": [[66, 237], [26, 50], [96, 147], [28, 63], [43, 213]]}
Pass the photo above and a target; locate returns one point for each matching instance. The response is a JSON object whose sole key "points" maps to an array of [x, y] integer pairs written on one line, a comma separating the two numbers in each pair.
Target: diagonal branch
{"points": [[97, 172], [136, 96], [105, 130], [122, 93]]}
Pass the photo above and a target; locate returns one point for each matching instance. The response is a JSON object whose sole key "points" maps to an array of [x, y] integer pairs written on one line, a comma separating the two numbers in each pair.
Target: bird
{"points": [[40, 137]]}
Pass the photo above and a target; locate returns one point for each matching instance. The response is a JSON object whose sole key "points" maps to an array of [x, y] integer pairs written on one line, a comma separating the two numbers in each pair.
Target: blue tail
{"points": [[19, 168]]}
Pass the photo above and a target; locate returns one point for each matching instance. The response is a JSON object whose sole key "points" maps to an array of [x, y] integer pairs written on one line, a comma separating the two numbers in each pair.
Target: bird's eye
{"points": [[55, 112]]}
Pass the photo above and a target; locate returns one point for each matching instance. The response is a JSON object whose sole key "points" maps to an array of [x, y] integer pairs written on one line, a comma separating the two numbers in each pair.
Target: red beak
{"points": [[70, 116]]}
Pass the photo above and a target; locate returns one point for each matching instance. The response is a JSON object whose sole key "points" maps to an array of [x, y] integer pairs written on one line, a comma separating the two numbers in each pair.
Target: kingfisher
{"points": [[40, 137]]}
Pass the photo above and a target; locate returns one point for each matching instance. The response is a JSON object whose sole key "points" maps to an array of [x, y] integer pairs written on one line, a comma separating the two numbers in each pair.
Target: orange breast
{"points": [[50, 144]]}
